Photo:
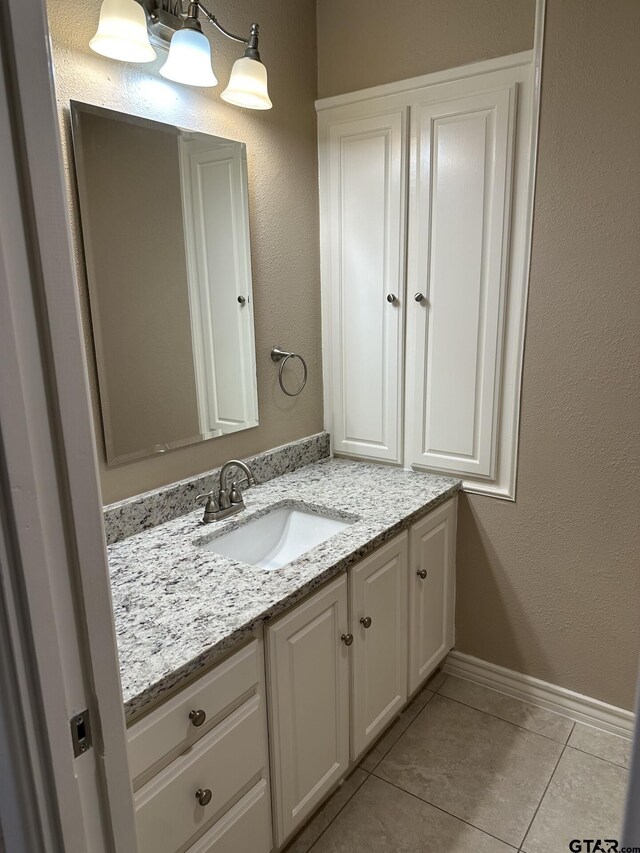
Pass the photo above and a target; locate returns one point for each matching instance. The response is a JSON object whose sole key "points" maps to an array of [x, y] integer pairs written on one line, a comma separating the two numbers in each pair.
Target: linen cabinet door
{"points": [[378, 592], [308, 686], [458, 249], [362, 180], [432, 567]]}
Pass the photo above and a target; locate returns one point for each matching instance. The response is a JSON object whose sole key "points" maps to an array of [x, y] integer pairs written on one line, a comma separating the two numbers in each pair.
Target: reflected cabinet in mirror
{"points": [[165, 225]]}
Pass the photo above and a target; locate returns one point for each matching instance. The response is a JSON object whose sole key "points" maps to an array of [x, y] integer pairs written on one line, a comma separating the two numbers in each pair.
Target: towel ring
{"points": [[282, 356]]}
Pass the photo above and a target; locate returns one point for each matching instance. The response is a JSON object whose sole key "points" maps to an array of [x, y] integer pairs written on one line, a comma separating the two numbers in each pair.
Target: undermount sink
{"points": [[276, 538]]}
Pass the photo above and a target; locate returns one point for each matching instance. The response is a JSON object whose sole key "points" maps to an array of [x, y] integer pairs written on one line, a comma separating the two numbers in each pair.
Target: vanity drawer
{"points": [[166, 732], [246, 828], [227, 761]]}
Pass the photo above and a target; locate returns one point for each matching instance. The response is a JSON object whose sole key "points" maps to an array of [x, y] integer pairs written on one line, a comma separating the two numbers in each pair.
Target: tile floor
{"points": [[465, 768]]}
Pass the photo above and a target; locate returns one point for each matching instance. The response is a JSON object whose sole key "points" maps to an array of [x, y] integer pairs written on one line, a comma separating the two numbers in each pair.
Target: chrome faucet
{"points": [[229, 501]]}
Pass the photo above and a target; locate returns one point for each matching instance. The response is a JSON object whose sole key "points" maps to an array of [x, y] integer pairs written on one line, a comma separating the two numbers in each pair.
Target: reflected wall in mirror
{"points": [[165, 225]]}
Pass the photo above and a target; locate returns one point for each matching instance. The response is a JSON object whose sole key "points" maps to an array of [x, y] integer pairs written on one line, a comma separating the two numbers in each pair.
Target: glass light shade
{"points": [[122, 32], [248, 85], [189, 59]]}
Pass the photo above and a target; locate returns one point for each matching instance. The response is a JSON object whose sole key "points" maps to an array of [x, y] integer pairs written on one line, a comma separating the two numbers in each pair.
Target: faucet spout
{"points": [[235, 463]]}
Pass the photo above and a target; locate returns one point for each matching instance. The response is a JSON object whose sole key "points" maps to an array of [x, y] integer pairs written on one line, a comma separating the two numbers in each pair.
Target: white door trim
{"points": [[53, 505]]}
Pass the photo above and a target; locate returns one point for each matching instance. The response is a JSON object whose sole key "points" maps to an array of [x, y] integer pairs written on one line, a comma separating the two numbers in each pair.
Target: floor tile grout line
{"points": [[528, 829], [444, 811], [386, 732], [340, 810], [443, 682], [585, 752], [533, 705], [517, 725], [372, 772]]}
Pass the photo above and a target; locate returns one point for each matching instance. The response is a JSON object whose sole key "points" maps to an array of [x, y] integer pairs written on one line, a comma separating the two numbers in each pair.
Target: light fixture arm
{"points": [[251, 42]]}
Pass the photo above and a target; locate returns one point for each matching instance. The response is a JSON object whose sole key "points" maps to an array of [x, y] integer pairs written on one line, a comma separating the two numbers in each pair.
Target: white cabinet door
{"points": [[378, 591], [432, 567], [462, 151], [363, 166], [216, 233], [308, 669]]}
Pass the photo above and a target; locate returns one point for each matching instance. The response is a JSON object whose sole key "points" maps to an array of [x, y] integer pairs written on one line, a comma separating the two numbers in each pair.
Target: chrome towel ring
{"points": [[282, 356]]}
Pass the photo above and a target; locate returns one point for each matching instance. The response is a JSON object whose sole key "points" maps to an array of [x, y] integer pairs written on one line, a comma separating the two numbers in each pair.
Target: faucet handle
{"points": [[235, 495], [211, 506]]}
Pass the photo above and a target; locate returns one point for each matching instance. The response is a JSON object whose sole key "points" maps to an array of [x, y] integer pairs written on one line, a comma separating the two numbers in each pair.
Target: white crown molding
{"points": [[583, 709], [448, 75]]}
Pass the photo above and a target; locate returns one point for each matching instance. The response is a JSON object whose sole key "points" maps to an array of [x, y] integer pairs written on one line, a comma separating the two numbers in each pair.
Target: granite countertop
{"points": [[178, 606]]}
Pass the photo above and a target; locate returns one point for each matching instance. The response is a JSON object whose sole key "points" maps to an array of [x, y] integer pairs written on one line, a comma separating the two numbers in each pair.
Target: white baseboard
{"points": [[584, 709]]}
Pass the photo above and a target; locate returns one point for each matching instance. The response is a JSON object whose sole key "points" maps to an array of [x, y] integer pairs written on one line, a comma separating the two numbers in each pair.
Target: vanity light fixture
{"points": [[122, 34], [189, 59]]}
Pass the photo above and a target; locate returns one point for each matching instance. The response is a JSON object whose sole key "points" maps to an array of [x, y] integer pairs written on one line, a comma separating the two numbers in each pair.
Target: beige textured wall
{"points": [[364, 43], [283, 202], [141, 299], [550, 585]]}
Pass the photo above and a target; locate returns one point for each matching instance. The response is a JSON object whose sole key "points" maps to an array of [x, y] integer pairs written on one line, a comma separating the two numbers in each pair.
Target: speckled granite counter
{"points": [[178, 606]]}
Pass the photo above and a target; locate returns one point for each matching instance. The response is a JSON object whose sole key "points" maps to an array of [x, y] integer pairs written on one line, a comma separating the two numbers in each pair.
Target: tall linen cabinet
{"points": [[425, 204]]}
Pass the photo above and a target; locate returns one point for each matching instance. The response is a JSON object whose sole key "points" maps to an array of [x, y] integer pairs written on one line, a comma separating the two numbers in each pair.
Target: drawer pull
{"points": [[366, 621], [347, 639], [422, 573], [197, 717], [203, 796]]}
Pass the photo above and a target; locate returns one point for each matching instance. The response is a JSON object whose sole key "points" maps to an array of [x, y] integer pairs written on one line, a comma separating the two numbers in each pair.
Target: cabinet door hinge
{"points": [[81, 733]]}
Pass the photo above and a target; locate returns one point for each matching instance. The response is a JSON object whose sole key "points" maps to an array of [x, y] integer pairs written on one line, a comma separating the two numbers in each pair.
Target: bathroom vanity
{"points": [[250, 692], [263, 652]]}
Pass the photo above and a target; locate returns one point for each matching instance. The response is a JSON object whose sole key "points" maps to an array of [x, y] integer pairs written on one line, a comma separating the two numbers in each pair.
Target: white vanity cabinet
{"points": [[432, 579], [308, 677], [342, 663], [200, 764], [263, 738], [378, 598]]}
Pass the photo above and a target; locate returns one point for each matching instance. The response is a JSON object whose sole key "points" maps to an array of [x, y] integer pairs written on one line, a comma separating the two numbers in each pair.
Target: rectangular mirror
{"points": [[165, 224]]}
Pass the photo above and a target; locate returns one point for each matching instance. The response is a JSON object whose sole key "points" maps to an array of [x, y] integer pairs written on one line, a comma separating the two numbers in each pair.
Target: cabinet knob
{"points": [[422, 573], [242, 300], [197, 717], [391, 297], [203, 796], [365, 621], [347, 639], [419, 297]]}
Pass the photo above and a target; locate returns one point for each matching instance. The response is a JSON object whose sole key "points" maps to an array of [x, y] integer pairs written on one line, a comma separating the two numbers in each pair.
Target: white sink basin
{"points": [[275, 539]]}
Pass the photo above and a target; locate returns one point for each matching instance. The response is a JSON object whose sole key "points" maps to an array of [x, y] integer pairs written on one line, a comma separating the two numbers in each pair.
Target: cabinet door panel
{"points": [[365, 186], [378, 587], [458, 259], [432, 598], [308, 702]]}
